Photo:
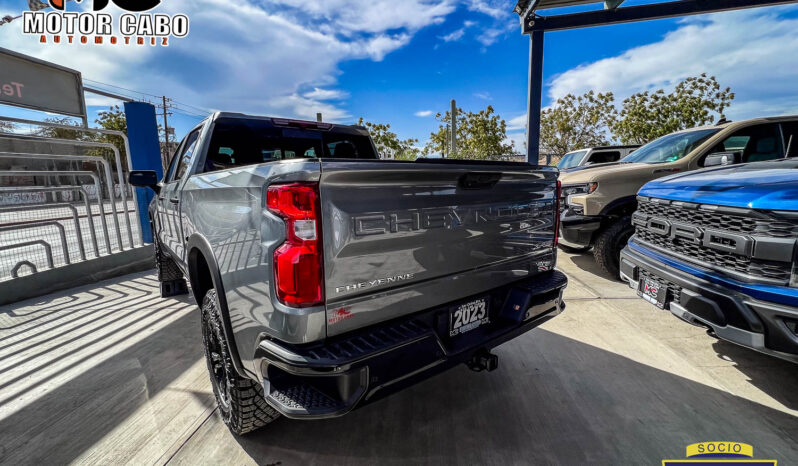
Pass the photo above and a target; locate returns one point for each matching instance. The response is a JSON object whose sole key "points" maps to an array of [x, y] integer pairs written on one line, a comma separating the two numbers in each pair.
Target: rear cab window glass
{"points": [[605, 156], [238, 142]]}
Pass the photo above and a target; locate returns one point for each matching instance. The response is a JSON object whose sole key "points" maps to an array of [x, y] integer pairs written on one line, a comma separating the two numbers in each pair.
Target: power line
{"points": [[204, 111], [193, 111], [199, 109], [187, 112], [120, 87]]}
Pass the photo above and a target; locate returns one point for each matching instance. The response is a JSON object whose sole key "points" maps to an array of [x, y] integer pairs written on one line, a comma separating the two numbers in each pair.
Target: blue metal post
{"points": [[145, 154], [535, 97]]}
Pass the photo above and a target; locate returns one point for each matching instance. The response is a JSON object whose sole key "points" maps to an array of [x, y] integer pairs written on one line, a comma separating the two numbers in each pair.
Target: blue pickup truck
{"points": [[719, 249]]}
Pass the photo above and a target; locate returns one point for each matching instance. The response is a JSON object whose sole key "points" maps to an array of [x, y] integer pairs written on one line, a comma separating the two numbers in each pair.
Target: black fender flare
{"points": [[618, 203], [202, 245]]}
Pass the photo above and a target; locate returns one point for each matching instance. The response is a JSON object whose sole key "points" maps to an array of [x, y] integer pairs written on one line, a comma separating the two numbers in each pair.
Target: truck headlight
{"points": [[584, 188], [575, 190]]}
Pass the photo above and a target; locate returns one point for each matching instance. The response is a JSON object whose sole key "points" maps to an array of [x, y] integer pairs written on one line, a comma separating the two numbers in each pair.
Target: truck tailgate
{"points": [[401, 237]]}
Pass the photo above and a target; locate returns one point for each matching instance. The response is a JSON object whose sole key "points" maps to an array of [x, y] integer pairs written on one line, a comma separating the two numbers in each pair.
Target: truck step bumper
{"points": [[728, 314], [330, 379]]}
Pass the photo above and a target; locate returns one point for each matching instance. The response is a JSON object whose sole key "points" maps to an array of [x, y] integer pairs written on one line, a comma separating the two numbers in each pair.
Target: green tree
{"points": [[695, 101], [63, 133], [577, 122], [114, 119], [480, 136], [388, 143]]}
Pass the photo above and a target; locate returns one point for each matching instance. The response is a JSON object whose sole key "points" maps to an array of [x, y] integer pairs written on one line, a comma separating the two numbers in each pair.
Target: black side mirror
{"points": [[722, 158], [144, 179]]}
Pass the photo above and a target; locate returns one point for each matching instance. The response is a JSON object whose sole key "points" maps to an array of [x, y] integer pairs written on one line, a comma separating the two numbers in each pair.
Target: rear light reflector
{"points": [[298, 273]]}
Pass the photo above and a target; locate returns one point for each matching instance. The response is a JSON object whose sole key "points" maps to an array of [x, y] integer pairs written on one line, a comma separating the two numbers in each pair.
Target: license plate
{"points": [[652, 291], [468, 316]]}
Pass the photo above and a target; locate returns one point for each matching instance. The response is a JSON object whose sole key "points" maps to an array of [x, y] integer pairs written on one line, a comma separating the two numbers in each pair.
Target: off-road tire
{"points": [[573, 250], [240, 399], [170, 276], [608, 246]]}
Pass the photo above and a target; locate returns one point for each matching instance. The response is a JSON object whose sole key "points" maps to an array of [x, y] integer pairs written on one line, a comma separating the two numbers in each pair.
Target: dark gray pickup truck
{"points": [[328, 278]]}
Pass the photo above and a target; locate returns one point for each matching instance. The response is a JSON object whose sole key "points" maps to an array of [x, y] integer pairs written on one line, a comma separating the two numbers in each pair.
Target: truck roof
{"points": [[279, 121], [730, 123]]}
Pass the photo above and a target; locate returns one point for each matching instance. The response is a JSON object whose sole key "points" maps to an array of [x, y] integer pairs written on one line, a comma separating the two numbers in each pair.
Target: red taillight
{"points": [[557, 215], [298, 276]]}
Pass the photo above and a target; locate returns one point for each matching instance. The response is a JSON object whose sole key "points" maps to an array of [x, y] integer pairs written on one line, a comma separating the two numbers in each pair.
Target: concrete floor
{"points": [[110, 374]]}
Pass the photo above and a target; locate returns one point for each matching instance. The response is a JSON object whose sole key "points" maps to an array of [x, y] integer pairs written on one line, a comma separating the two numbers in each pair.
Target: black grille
{"points": [[756, 224], [760, 225], [674, 290]]}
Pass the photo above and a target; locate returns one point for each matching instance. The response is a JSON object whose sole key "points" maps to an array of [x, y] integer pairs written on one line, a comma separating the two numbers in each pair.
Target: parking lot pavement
{"points": [[111, 373]]}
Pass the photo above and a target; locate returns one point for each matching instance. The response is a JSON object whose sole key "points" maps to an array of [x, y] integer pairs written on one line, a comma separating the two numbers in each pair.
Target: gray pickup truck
{"points": [[328, 278]]}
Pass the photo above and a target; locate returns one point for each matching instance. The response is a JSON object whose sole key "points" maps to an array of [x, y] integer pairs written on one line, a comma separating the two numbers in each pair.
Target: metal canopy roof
{"points": [[613, 13], [524, 5], [536, 25]]}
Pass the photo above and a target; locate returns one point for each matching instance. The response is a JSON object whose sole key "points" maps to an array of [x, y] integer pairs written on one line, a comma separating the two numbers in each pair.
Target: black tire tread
{"points": [[167, 268], [248, 410], [606, 251]]}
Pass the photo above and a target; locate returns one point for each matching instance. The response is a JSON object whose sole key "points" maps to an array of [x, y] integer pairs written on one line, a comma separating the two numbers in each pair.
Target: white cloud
{"points": [[752, 51], [454, 35], [517, 123], [325, 94], [370, 16], [259, 57], [423, 113], [490, 35], [494, 8], [518, 140], [483, 95], [458, 34]]}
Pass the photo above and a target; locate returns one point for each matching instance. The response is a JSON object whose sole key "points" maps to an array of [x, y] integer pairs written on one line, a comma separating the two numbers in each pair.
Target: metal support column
{"points": [[535, 97]]}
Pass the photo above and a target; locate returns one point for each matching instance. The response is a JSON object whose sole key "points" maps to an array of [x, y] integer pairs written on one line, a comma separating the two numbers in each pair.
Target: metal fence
{"points": [[63, 200]]}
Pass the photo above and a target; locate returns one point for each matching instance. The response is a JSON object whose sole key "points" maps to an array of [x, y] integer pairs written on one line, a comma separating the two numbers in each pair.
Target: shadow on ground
{"points": [[586, 262], [776, 377], [71, 418], [561, 402], [553, 400]]}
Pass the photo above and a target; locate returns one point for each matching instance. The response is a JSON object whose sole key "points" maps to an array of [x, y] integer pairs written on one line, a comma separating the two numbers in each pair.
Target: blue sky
{"points": [[400, 62]]}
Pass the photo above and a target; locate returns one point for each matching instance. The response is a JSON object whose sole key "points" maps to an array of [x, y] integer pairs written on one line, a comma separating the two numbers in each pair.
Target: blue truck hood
{"points": [[761, 185]]}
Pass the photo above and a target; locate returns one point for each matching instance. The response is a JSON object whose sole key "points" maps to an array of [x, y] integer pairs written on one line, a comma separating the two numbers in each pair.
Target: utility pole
{"points": [[453, 146], [165, 121], [165, 151], [446, 139]]}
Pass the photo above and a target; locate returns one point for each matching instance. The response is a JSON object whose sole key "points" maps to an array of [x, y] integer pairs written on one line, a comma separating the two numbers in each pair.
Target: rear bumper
{"points": [[578, 230], [730, 314], [330, 379]]}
